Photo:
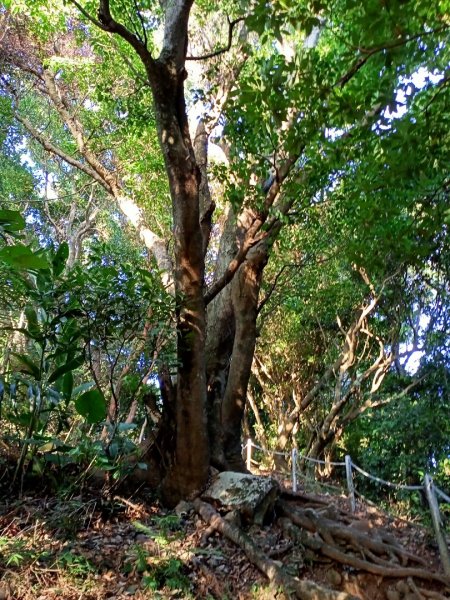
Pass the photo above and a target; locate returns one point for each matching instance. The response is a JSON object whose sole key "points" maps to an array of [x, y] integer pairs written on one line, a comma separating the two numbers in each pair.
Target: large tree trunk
{"points": [[210, 390], [245, 293], [219, 346], [189, 471]]}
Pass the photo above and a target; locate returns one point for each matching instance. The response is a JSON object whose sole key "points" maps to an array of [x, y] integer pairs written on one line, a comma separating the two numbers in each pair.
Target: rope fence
{"points": [[429, 489]]}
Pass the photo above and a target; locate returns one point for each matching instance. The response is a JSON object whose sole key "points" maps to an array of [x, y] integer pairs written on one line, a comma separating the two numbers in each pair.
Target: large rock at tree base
{"points": [[254, 497]]}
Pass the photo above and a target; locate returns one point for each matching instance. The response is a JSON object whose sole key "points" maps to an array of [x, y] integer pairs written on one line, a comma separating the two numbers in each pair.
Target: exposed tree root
{"points": [[413, 587], [377, 542], [305, 590], [331, 539], [288, 494], [432, 594]]}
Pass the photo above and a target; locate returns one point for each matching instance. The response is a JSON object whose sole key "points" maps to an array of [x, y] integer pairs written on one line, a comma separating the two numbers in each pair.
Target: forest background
{"points": [[219, 222]]}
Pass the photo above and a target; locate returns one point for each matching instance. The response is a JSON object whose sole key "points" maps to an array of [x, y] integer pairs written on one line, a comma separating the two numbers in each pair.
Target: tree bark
{"points": [[245, 292], [191, 460], [189, 470], [221, 329]]}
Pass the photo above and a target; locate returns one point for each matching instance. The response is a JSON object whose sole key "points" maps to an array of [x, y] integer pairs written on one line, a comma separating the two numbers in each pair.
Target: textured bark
{"points": [[189, 470], [219, 344], [191, 464], [208, 397], [245, 292], [207, 204]]}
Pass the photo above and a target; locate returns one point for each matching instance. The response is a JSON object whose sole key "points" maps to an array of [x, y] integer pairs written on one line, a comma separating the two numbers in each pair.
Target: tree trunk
{"points": [[245, 293], [219, 346], [189, 470]]}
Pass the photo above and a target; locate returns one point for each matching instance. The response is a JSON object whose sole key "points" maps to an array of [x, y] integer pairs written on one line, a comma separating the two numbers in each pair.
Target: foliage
{"points": [[381, 441], [344, 107], [167, 574], [43, 386], [164, 570]]}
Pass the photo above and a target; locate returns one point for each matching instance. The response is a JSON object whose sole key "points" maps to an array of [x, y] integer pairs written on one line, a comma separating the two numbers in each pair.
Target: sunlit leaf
{"points": [[92, 406]]}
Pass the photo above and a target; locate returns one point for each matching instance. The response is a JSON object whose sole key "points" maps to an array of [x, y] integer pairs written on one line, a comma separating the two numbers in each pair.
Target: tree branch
{"points": [[231, 25], [176, 33], [107, 23], [253, 234], [53, 149], [368, 52], [88, 16]]}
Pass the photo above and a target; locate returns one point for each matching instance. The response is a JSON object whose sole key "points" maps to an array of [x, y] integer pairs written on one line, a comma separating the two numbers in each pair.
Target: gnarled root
{"points": [[330, 537], [305, 590]]}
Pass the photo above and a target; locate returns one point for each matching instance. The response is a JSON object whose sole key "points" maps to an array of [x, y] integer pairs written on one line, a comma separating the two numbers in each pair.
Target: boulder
{"points": [[254, 497]]}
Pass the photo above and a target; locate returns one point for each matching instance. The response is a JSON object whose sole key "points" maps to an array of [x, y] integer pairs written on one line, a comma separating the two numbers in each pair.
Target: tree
{"points": [[305, 94], [405, 253]]}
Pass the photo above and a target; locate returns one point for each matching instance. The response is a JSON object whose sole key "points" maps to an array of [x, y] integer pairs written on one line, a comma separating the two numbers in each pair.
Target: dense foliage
{"points": [[309, 220]]}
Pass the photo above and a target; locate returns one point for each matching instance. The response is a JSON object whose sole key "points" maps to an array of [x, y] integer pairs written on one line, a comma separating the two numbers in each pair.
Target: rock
{"points": [[392, 594], [182, 509], [333, 577], [131, 590], [254, 497], [234, 516], [402, 587]]}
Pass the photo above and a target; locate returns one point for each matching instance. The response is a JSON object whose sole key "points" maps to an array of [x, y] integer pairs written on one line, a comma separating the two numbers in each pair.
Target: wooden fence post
{"points": [[437, 522], [249, 454], [294, 469], [350, 486]]}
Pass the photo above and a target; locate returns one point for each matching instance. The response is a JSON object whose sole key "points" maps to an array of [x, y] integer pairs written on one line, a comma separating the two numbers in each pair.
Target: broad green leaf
{"points": [[83, 387], [21, 257], [28, 364], [60, 259], [22, 419], [67, 385], [92, 406], [126, 426], [11, 220], [69, 366], [33, 322]]}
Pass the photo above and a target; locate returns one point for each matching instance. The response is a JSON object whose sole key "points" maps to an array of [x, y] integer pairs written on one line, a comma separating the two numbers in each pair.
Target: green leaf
{"points": [[30, 366], [33, 322], [83, 387], [11, 220], [126, 426], [60, 259], [91, 405], [71, 365], [67, 385], [21, 257]]}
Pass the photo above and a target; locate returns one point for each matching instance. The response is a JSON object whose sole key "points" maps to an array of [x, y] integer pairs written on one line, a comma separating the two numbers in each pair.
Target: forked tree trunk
{"points": [[221, 329], [245, 293], [217, 369]]}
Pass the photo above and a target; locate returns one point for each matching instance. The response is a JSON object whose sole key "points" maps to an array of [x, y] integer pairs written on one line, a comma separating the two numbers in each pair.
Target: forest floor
{"points": [[90, 547]]}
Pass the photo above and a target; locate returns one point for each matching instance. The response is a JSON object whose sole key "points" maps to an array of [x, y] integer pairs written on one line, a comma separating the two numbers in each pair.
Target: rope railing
{"points": [[398, 486], [430, 490], [441, 494]]}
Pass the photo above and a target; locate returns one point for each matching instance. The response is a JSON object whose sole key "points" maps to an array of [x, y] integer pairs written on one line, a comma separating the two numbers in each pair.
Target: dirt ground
{"points": [[90, 547]]}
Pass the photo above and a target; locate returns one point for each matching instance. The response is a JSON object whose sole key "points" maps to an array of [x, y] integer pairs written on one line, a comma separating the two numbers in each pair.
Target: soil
{"points": [[91, 547]]}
